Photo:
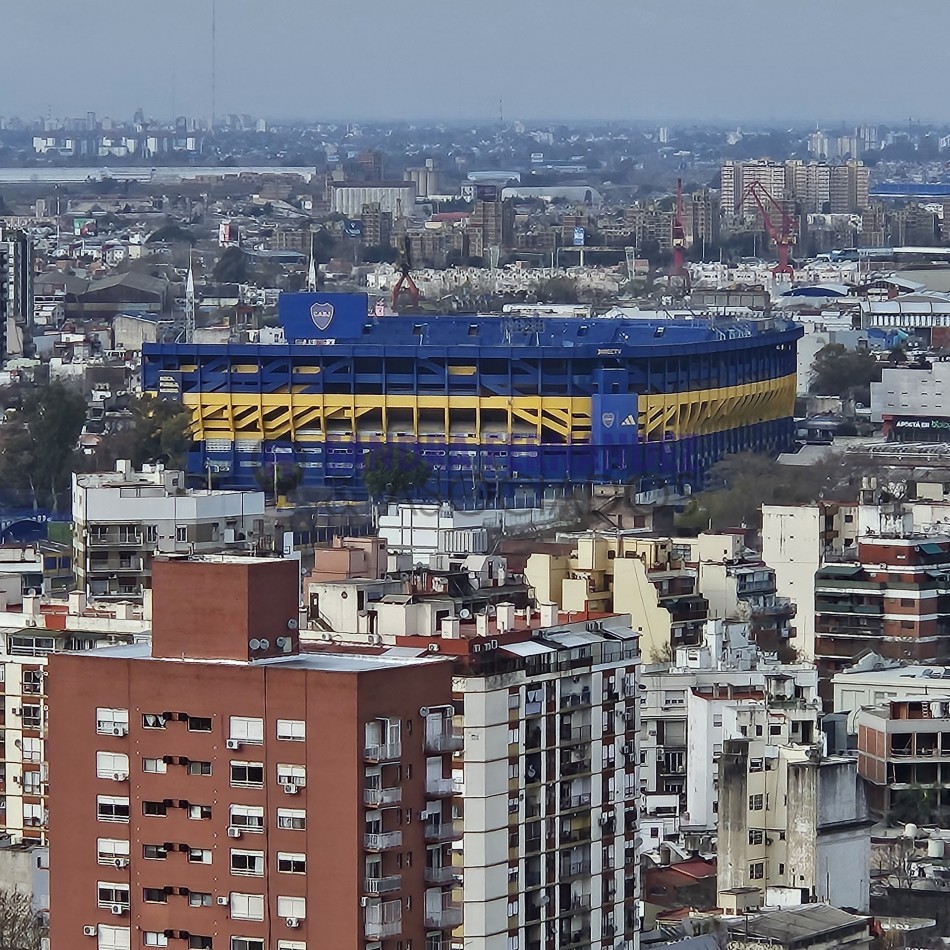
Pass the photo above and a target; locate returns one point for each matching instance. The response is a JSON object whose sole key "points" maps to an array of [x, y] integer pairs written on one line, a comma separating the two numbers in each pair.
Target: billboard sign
{"points": [[579, 237], [486, 192], [169, 386], [322, 319], [85, 227]]}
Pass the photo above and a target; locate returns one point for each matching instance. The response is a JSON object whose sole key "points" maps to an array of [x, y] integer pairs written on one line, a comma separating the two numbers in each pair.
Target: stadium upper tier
{"points": [[499, 407]]}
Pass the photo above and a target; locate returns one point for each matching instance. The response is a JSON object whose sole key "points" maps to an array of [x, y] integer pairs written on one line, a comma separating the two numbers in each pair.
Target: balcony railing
{"points": [[442, 831], [570, 735], [442, 787], [443, 918], [449, 740], [441, 876], [569, 802], [380, 797], [583, 698], [380, 929], [384, 752], [575, 868], [382, 885], [384, 841]]}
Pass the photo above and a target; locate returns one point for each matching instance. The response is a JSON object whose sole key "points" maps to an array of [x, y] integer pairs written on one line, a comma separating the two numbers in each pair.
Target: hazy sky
{"points": [[735, 60]]}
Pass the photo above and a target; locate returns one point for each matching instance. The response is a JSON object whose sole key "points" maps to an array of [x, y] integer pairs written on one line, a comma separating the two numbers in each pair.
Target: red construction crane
{"points": [[405, 282], [784, 238], [679, 239]]}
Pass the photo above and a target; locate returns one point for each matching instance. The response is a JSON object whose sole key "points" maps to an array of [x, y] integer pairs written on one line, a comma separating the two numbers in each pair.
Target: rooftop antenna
{"points": [[501, 111], [190, 304], [214, 58], [312, 272]]}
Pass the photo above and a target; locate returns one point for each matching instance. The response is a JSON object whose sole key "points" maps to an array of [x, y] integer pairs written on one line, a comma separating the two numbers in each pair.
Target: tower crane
{"points": [[405, 282], [679, 270], [782, 238]]}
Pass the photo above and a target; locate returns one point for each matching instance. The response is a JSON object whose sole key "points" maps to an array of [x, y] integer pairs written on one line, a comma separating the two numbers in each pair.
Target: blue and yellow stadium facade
{"points": [[499, 407]]}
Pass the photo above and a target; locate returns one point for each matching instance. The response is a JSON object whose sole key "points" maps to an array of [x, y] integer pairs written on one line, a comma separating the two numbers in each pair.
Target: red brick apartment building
{"points": [[220, 789]]}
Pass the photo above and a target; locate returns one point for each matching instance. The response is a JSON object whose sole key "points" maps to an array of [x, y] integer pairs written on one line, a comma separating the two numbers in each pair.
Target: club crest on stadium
{"points": [[322, 315]]}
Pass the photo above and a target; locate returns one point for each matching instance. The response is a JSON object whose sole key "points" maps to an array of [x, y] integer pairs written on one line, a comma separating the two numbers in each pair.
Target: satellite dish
{"points": [[254, 644], [265, 644], [465, 614]]}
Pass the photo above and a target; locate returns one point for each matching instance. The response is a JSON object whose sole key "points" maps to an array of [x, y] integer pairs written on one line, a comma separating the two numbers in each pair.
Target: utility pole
{"points": [[214, 58]]}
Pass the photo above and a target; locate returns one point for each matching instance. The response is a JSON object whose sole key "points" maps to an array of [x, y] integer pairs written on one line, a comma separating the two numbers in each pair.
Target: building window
{"points": [[717, 720], [756, 802], [756, 837], [154, 852], [114, 938], [154, 895], [154, 808], [775, 730], [247, 943], [199, 768], [199, 812], [111, 808], [109, 894], [110, 722], [245, 729], [247, 863], [198, 942], [199, 856], [756, 765], [292, 907], [291, 863], [905, 625], [291, 945], [111, 764], [247, 774], [154, 765], [153, 721], [292, 775], [756, 871], [294, 819], [247, 906], [181, 532], [199, 899], [247, 817], [153, 938], [110, 850], [32, 717], [199, 724], [292, 729]]}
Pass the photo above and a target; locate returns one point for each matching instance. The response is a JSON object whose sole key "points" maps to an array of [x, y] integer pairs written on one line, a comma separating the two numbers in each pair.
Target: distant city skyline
{"points": [[730, 62]]}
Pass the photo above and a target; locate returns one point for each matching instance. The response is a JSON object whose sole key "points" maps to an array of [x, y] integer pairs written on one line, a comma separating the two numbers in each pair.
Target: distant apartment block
{"points": [[122, 519]]}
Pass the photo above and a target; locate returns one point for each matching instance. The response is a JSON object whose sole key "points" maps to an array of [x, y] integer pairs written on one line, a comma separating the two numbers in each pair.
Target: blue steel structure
{"points": [[501, 408]]}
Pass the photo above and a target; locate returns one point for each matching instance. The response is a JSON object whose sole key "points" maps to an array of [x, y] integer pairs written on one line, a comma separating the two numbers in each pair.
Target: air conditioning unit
{"points": [[120, 776], [234, 832], [89, 931], [224, 901], [118, 910], [120, 731], [293, 922], [121, 862], [291, 789], [364, 902], [232, 744]]}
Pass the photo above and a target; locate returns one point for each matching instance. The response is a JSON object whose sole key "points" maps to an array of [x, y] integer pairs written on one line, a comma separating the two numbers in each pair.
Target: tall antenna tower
{"points": [[190, 305], [214, 59]]}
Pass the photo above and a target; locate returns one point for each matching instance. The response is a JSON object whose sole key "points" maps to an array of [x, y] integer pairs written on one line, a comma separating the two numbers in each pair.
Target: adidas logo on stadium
{"points": [[629, 421]]}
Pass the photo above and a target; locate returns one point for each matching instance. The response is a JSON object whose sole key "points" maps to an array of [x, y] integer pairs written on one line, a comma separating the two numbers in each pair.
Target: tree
{"points": [[38, 446], [838, 371], [740, 484], [232, 267], [21, 927], [171, 233], [392, 472], [161, 432]]}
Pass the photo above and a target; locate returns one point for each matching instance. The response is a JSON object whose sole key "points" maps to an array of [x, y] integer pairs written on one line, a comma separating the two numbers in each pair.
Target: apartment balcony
{"points": [[384, 752], [383, 841], [572, 802], [381, 797], [447, 917], [575, 938], [115, 540], [579, 903], [577, 868], [437, 943], [574, 734], [382, 885], [573, 700], [133, 566], [575, 767], [575, 835], [449, 740], [442, 787], [436, 831], [381, 929], [442, 876]]}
